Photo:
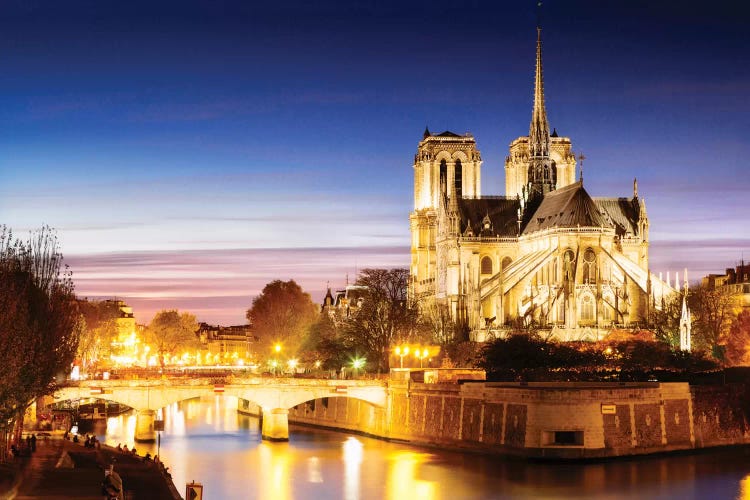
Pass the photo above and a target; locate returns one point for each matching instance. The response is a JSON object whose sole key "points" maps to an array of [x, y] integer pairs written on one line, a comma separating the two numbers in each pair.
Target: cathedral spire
{"points": [[542, 175], [539, 129]]}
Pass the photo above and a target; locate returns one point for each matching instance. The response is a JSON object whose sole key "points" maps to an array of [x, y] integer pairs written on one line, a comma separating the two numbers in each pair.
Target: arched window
{"points": [[443, 175], [458, 179], [587, 308], [589, 266], [506, 262], [486, 265], [606, 313]]}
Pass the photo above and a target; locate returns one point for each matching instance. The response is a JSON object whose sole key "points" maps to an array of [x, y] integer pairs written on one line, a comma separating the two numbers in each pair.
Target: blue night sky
{"points": [[190, 152]]}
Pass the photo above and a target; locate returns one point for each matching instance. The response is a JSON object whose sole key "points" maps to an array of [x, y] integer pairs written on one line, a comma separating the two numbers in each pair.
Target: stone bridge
{"points": [[274, 396]]}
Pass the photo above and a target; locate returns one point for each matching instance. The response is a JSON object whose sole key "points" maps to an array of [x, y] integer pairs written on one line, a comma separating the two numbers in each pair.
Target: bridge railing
{"points": [[223, 373], [95, 385]]}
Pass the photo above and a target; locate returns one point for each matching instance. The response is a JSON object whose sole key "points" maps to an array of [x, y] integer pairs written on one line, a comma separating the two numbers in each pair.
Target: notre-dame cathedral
{"points": [[546, 253]]}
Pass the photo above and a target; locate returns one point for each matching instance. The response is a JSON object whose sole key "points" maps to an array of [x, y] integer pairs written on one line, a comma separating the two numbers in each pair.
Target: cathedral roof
{"points": [[447, 133], [501, 212], [570, 206], [623, 213]]}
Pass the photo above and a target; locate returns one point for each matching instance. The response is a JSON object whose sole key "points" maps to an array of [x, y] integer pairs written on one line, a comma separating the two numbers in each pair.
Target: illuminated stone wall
{"points": [[341, 413], [718, 416], [556, 420]]}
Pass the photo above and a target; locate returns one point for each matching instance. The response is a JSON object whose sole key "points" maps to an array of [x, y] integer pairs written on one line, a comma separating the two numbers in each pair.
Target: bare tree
{"points": [[386, 316], [436, 317]]}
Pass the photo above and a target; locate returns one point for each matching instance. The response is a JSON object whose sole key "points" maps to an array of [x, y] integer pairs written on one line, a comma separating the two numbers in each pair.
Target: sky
{"points": [[189, 152]]}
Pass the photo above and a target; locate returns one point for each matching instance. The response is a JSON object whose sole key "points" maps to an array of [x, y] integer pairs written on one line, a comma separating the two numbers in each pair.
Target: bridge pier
{"points": [[144, 426], [275, 425]]}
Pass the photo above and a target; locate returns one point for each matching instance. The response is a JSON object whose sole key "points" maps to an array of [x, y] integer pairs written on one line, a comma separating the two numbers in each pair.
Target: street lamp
{"points": [[292, 364], [421, 355], [275, 363], [357, 363], [401, 352]]}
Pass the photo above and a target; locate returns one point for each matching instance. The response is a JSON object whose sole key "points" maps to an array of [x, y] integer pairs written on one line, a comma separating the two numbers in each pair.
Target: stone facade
{"points": [[545, 253], [734, 281], [546, 420]]}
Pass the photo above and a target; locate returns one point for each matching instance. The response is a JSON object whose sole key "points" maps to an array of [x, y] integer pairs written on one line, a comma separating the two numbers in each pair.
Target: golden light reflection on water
{"points": [[352, 464], [314, 474], [744, 493], [232, 462], [402, 481], [273, 479], [175, 423]]}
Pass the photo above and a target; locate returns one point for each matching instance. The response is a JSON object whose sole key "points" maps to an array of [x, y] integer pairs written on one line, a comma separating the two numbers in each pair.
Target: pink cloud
{"points": [[219, 285]]}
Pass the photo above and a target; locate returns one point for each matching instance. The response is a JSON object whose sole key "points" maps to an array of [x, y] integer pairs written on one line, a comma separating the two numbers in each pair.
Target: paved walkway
{"points": [[80, 473]]}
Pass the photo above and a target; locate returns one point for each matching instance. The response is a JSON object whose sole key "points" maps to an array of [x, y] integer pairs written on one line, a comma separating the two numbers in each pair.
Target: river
{"points": [[209, 442]]}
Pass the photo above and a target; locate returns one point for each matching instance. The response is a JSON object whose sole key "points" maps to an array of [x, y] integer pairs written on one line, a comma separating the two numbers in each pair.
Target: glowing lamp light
{"points": [[401, 352]]}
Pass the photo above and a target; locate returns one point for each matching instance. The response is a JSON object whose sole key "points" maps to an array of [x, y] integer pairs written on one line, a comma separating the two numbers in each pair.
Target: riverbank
{"points": [[63, 469], [558, 421]]}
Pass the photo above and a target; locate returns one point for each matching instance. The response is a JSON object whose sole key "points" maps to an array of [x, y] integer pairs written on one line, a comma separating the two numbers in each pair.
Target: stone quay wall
{"points": [[545, 420]]}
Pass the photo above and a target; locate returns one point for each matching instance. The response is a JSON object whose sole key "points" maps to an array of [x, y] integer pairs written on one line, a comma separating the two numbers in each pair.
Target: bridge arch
{"points": [[274, 396]]}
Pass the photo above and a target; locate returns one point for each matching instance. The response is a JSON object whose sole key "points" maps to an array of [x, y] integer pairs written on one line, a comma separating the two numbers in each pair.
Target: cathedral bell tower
{"points": [[447, 168]]}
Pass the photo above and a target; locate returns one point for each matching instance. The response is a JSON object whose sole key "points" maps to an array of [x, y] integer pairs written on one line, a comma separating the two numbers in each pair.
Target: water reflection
{"points": [[274, 476], [402, 477], [352, 462], [744, 488], [314, 474], [207, 441]]}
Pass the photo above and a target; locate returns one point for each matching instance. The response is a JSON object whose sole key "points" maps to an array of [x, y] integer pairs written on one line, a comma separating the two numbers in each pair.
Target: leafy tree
{"points": [[98, 326], [531, 358], [38, 318], [642, 356], [386, 316], [517, 356], [666, 322], [170, 332], [282, 313], [461, 354], [326, 344], [738, 343], [713, 311]]}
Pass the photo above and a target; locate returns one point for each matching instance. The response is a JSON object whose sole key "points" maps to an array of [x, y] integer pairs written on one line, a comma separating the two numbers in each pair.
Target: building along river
{"points": [[208, 441]]}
